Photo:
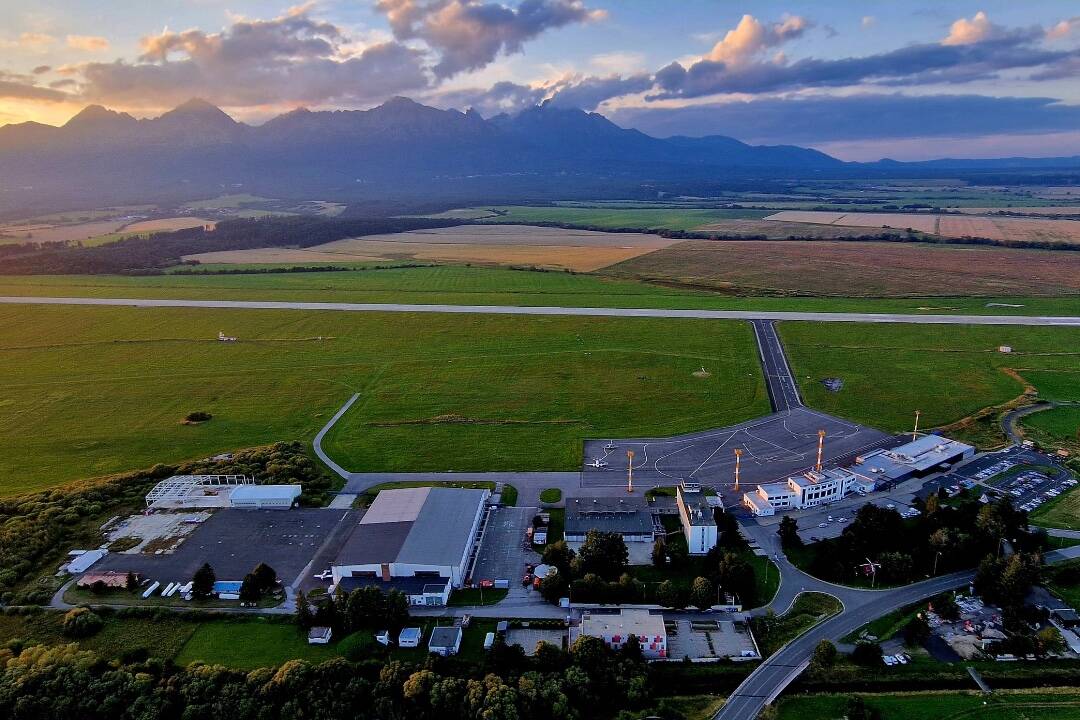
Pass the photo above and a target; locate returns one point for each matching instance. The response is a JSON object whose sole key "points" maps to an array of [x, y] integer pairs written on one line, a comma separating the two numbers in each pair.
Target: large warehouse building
{"points": [[418, 540], [915, 459]]}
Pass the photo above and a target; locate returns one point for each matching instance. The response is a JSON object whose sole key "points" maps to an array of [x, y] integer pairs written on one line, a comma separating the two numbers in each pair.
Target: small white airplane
{"points": [[610, 446], [597, 463]]}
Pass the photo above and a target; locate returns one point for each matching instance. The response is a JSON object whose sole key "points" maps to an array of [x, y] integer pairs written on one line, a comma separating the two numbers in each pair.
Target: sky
{"points": [[860, 80]]}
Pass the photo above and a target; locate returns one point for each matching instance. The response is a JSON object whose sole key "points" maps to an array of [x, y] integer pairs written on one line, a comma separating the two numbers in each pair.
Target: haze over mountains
{"points": [[399, 149]]}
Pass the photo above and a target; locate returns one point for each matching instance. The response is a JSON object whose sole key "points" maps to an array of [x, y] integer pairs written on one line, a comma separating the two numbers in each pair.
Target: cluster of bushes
{"points": [[36, 530], [346, 612], [589, 680], [943, 539]]}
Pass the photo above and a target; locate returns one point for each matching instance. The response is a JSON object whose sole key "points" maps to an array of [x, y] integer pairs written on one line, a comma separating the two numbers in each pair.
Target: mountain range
{"points": [[399, 149]]}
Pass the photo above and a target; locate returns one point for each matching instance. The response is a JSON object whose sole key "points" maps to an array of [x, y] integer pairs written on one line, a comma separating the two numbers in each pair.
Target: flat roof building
{"points": [[445, 640], [630, 517], [913, 459], [698, 524], [616, 629], [418, 590], [812, 488], [423, 532], [264, 497]]}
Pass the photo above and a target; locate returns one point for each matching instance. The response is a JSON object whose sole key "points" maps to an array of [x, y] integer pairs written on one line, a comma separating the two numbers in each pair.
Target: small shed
{"points": [[319, 635], [410, 637], [445, 640]]}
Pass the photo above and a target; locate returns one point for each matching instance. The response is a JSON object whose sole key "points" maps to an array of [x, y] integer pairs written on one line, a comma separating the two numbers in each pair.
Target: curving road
{"points": [[578, 311], [860, 607]]}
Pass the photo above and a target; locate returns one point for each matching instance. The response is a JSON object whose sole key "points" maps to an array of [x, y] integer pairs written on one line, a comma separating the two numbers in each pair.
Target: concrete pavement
{"points": [[541, 310]]}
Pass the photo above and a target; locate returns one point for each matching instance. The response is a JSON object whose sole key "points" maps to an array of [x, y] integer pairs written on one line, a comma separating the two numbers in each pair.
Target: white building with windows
{"points": [[812, 488], [616, 629], [697, 520]]}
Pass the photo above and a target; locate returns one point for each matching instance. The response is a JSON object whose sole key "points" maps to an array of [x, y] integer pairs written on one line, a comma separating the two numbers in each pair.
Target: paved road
{"points": [[1010, 422], [582, 311], [771, 677], [783, 390]]}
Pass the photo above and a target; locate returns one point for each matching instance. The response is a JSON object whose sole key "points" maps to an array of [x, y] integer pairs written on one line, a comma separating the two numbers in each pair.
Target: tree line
{"points": [[154, 253]]}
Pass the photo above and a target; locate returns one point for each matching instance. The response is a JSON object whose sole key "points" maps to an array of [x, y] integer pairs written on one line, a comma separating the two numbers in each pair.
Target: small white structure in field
{"points": [[319, 635], [1004, 348], [222, 337]]}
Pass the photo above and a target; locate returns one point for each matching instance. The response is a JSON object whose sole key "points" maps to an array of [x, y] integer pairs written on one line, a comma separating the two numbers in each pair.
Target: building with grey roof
{"points": [[630, 517], [423, 533], [914, 459]]}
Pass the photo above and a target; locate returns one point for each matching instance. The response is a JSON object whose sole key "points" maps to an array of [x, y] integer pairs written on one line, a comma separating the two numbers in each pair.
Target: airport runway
{"points": [[577, 311]]}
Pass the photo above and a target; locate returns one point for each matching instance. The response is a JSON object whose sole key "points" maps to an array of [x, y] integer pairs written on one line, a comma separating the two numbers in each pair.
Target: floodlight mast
{"points": [[630, 471], [820, 448], [915, 432], [738, 455]]}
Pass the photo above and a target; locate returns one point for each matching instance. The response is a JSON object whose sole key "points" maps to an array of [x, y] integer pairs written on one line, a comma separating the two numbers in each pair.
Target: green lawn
{"points": [[947, 372], [159, 638], [551, 495], [1042, 704], [1055, 427], [808, 610], [251, 644], [1061, 512], [1069, 592], [487, 286], [885, 626], [505, 393], [90, 391], [509, 495]]}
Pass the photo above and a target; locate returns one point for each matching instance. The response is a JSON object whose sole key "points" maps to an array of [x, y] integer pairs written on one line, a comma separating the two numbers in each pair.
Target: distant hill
{"points": [[400, 147], [400, 151]]}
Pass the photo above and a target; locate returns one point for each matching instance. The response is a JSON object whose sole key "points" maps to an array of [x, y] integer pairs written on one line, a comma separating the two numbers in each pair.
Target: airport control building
{"points": [[416, 540]]}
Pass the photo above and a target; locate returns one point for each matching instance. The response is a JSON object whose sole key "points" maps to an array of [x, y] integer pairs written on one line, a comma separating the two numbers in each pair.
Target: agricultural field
{"points": [[668, 218], [166, 224], [485, 245], [438, 391], [501, 286], [947, 372], [1064, 232], [1040, 704], [854, 269]]}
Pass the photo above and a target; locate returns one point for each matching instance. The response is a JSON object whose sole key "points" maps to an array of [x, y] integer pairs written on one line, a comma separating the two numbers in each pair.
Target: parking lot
{"points": [[709, 639], [234, 542], [503, 550], [1029, 478]]}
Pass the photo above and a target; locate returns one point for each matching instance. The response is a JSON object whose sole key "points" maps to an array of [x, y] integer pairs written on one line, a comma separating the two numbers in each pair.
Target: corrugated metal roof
{"points": [[265, 492], [402, 505], [443, 528], [373, 544]]}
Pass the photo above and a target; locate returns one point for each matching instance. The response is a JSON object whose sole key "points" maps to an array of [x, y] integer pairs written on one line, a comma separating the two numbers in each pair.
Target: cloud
{"points": [[750, 38], [865, 116], [588, 93], [470, 34], [33, 41], [87, 43], [15, 86], [868, 21], [502, 97], [1063, 29], [967, 32], [41, 69], [289, 59], [912, 65]]}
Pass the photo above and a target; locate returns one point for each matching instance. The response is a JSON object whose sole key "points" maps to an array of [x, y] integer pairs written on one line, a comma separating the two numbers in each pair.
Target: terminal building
{"points": [[630, 517], [416, 540], [696, 517], [915, 459], [812, 488]]}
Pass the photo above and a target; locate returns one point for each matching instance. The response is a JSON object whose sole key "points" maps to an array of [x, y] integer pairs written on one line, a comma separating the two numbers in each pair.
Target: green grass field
{"points": [[608, 217], [161, 638], [1042, 704], [1054, 427], [492, 392], [91, 391], [947, 372], [488, 286], [251, 644], [1061, 512]]}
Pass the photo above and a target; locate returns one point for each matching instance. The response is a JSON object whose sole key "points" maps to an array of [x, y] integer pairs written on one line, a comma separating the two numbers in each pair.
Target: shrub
{"points": [[81, 622], [197, 417]]}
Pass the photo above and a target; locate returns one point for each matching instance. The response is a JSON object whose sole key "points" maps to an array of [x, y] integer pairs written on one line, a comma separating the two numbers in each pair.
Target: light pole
{"points": [[936, 556]]}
